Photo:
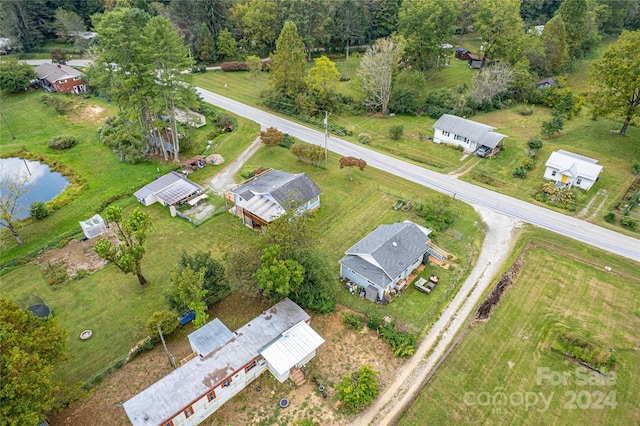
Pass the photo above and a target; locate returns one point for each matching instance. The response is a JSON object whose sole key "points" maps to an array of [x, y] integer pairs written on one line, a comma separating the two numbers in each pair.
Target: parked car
{"points": [[483, 151]]}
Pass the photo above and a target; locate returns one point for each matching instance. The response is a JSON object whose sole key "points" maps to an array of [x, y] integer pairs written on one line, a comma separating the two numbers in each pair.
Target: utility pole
{"points": [[326, 137], [172, 360], [8, 127]]}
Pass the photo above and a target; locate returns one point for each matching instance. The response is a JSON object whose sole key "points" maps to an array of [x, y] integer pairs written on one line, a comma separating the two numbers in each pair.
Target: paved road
{"points": [[565, 225]]}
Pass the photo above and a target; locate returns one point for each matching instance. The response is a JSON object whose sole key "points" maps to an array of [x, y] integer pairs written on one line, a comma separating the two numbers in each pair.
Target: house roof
{"points": [[291, 347], [209, 337], [478, 132], [474, 57], [461, 50], [166, 397], [169, 188], [268, 194], [386, 252], [56, 72], [574, 165], [547, 80]]}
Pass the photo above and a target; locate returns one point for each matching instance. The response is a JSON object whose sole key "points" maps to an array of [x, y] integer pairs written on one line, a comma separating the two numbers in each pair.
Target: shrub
{"points": [[520, 172], [525, 110], [628, 222], [396, 131], [437, 211], [62, 142], [56, 273], [168, 323], [61, 105], [353, 320], [610, 217], [375, 322], [528, 163], [550, 128], [287, 141], [403, 345], [39, 210], [357, 390], [234, 66], [635, 166], [534, 143], [364, 138], [350, 130]]}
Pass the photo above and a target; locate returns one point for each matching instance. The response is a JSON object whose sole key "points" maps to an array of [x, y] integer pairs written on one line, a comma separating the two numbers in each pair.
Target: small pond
{"points": [[45, 184]]}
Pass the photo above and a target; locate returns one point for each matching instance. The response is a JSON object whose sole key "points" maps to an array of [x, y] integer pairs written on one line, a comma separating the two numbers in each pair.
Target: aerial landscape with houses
{"points": [[319, 212]]}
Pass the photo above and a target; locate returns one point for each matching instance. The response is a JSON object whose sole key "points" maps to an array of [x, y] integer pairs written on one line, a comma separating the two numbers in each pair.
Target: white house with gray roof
{"points": [[569, 169], [468, 134], [279, 340], [169, 190], [265, 197], [385, 257]]}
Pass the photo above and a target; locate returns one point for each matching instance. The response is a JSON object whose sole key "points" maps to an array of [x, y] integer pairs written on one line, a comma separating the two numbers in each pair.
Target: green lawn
{"points": [[504, 353]]}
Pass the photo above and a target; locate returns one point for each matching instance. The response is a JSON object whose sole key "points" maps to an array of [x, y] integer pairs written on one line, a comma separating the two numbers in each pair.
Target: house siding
{"points": [[585, 183], [440, 137], [68, 86], [359, 279]]}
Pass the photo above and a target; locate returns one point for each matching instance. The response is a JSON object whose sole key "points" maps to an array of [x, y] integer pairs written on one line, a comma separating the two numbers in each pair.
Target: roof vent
{"points": [[394, 244]]}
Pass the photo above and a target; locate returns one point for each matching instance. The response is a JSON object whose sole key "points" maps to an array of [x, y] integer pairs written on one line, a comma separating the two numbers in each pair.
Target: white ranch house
{"points": [[225, 362], [569, 169], [384, 259], [468, 134]]}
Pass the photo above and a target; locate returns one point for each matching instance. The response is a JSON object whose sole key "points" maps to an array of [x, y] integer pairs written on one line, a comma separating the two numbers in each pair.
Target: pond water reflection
{"points": [[45, 184]]}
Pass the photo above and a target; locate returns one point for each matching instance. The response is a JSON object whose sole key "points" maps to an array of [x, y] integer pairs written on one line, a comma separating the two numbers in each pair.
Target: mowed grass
{"points": [[554, 294]]}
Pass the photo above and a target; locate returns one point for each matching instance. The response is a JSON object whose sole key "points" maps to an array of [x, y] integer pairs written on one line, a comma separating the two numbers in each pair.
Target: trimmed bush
{"points": [[610, 217], [39, 210], [61, 143], [234, 66], [364, 138], [534, 143]]}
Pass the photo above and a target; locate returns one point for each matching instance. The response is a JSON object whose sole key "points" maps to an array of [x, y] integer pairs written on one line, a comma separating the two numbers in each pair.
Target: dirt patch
{"points": [[76, 255], [343, 352], [89, 113]]}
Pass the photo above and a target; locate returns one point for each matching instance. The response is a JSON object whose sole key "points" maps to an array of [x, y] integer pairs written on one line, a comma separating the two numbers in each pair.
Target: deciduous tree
{"points": [[350, 22], [466, 16], [257, 19], [271, 137], [384, 18], [68, 24], [30, 348], [554, 43], [187, 291], [214, 281], [226, 45], [15, 75], [359, 389], [132, 231], [312, 20], [491, 83], [58, 56], [350, 162], [502, 30], [376, 72], [278, 277], [615, 80], [12, 187], [323, 78], [574, 16]]}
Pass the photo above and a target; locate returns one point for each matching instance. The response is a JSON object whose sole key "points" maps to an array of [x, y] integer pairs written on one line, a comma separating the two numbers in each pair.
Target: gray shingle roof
{"points": [[386, 252], [478, 132], [56, 72]]}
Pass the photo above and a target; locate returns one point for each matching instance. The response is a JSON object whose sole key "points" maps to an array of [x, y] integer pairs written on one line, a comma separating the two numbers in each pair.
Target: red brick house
{"points": [[60, 78]]}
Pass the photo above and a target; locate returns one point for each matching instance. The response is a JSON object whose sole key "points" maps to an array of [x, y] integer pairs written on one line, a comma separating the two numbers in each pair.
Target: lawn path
{"points": [[392, 402], [225, 178]]}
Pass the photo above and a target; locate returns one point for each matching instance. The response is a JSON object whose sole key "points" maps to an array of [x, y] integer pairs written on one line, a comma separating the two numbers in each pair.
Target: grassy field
{"points": [[502, 356]]}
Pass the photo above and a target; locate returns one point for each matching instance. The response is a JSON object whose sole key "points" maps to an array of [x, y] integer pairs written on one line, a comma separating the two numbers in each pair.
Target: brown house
{"points": [[60, 78]]}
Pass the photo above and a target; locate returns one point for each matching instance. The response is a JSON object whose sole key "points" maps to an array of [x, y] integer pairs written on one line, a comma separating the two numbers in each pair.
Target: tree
{"points": [[311, 18], [502, 30], [376, 72], [214, 281], [132, 234], [271, 137], [491, 83], [26, 22], [14, 75], [12, 187], [359, 389], [318, 289], [288, 61], [574, 16], [426, 25], [205, 47], [350, 22], [292, 231], [554, 43], [350, 162], [187, 291], [323, 78], [68, 24], [226, 45], [466, 16], [58, 56], [255, 67], [30, 348], [278, 277], [384, 18], [168, 323], [615, 80], [550, 128], [257, 19]]}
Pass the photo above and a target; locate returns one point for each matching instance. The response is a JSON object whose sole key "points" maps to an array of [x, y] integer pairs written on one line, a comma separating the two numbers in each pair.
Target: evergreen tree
{"points": [[205, 47], [226, 45], [350, 22], [574, 16], [288, 62], [554, 42]]}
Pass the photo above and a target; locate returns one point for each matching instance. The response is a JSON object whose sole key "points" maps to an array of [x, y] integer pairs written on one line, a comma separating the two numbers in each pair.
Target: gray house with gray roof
{"points": [[383, 259], [265, 197], [468, 134]]}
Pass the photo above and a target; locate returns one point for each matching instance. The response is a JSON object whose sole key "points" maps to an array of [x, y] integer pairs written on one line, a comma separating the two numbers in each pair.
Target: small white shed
{"points": [[93, 226]]}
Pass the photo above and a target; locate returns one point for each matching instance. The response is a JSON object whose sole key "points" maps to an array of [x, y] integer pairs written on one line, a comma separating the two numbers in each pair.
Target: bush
{"points": [[550, 128], [61, 105], [168, 323], [610, 217], [287, 141], [375, 322], [628, 222], [528, 163], [520, 172], [364, 138], [234, 66], [359, 389], [396, 131], [403, 345], [350, 130], [61, 143], [353, 320], [534, 144], [635, 166], [39, 210]]}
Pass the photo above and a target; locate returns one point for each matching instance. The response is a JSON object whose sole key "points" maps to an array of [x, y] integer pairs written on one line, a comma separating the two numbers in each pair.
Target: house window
{"points": [[461, 138], [578, 181], [250, 366], [226, 383], [553, 173], [445, 133], [169, 423], [211, 396], [188, 412], [62, 81], [76, 78]]}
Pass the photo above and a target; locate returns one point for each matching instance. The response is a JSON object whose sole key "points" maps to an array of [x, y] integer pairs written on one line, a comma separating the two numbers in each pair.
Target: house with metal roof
{"points": [[569, 169], [279, 340], [468, 134], [170, 190], [60, 78], [265, 197], [382, 260]]}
